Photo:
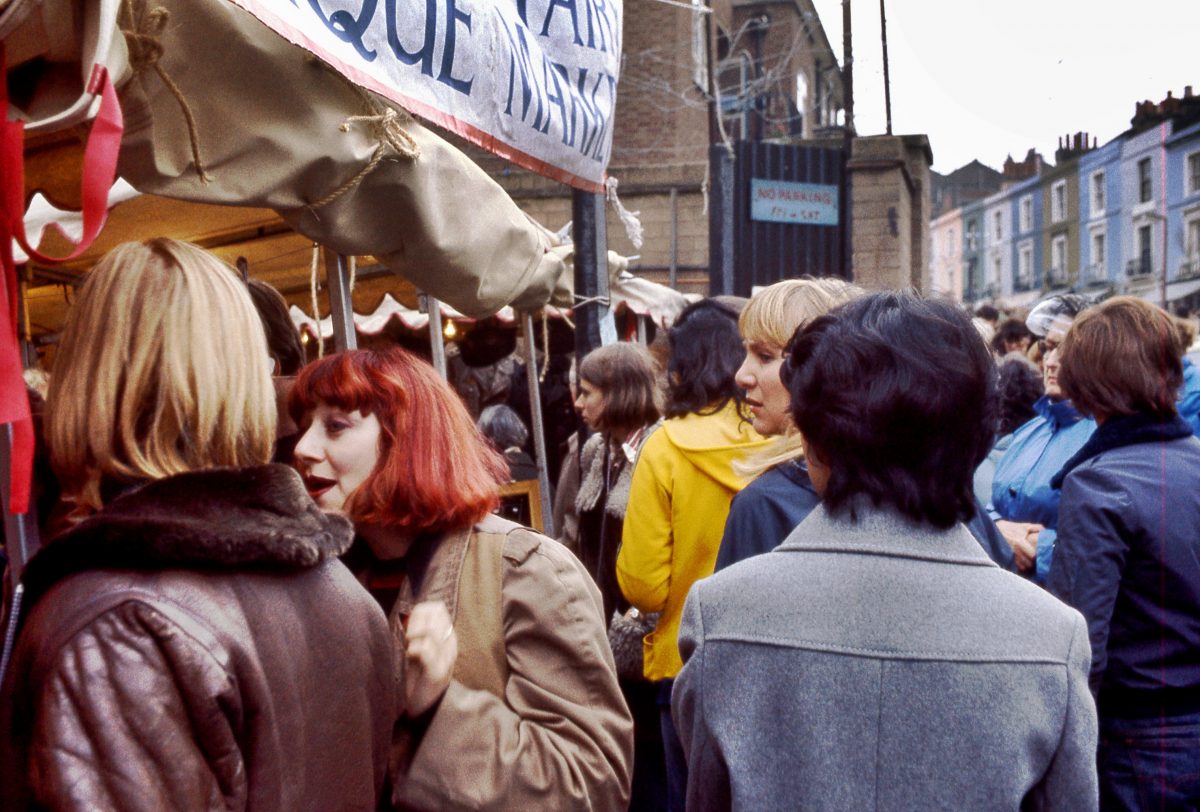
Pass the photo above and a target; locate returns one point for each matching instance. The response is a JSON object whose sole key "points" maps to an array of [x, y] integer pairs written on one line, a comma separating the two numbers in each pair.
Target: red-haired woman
{"points": [[508, 689]]}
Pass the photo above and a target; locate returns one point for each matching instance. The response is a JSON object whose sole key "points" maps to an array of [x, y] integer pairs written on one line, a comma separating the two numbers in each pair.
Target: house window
{"points": [[969, 237], [1025, 264], [1058, 256], [1097, 202], [997, 271], [1141, 262], [1026, 214], [1193, 173], [1145, 187], [1191, 245], [1058, 202], [1098, 251], [998, 225]]}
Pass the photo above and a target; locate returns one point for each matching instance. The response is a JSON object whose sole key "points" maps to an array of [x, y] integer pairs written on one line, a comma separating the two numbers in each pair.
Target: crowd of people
{"points": [[823, 548]]}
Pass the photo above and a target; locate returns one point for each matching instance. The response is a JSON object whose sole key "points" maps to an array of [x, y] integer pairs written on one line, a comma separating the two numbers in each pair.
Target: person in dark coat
{"points": [[877, 659], [192, 641], [1128, 552]]}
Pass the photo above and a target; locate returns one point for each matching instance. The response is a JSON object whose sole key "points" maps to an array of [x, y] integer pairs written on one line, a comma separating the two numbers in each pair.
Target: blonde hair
{"points": [[771, 317], [163, 368], [774, 313]]}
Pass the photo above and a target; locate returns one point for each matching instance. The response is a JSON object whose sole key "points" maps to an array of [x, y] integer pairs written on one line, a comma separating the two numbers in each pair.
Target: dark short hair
{"points": [[987, 312], [503, 427], [1010, 330], [705, 353], [1018, 386], [1122, 358], [283, 339], [896, 392], [627, 377]]}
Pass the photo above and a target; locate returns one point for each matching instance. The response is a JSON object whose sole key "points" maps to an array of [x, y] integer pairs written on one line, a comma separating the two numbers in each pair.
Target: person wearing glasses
{"points": [[1024, 505]]}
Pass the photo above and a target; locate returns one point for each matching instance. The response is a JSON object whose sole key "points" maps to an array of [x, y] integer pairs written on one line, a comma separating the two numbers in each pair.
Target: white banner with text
{"points": [[534, 81]]}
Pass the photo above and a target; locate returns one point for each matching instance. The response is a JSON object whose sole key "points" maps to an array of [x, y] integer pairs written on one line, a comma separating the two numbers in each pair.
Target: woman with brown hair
{"points": [[1128, 554], [189, 642], [619, 400], [509, 698]]}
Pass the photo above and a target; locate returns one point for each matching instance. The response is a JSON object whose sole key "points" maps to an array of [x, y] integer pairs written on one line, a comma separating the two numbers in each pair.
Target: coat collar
{"points": [[247, 518], [1125, 430], [1059, 413], [883, 531]]}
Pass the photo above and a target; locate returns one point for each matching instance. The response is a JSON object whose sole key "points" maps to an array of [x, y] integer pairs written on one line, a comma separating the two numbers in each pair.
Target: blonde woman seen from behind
{"points": [[188, 642], [781, 495]]}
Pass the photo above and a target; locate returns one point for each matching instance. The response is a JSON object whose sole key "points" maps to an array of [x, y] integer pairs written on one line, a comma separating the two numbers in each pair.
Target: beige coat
{"points": [[533, 718]]}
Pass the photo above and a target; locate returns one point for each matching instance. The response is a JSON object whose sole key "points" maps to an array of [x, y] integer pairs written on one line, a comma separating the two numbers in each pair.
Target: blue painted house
{"points": [[1100, 268]]}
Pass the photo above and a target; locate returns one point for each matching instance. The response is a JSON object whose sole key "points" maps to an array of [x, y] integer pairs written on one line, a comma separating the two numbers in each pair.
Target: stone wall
{"points": [[890, 205]]}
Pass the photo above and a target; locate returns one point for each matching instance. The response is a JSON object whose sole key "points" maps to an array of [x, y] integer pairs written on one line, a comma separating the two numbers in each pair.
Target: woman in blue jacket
{"points": [[1023, 503], [1128, 553]]}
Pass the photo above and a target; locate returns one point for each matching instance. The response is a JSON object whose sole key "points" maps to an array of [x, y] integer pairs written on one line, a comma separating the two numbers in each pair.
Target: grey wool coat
{"points": [[882, 665]]}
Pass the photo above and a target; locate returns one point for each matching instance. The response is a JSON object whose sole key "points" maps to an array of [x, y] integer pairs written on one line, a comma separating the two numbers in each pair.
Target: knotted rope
{"points": [[312, 284], [145, 50], [385, 124]]}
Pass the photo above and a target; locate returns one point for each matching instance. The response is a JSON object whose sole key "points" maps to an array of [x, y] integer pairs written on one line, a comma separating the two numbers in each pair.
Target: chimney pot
{"points": [[1187, 91]]}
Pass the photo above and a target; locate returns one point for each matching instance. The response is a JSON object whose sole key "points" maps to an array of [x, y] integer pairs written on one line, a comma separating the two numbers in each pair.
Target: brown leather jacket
{"points": [[197, 646], [533, 717]]}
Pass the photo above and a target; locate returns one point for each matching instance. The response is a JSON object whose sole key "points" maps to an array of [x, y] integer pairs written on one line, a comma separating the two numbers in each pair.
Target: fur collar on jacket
{"points": [[224, 518], [591, 472]]}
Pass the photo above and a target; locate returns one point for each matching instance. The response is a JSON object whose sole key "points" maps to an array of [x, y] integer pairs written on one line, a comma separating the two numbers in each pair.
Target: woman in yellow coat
{"points": [[682, 486]]}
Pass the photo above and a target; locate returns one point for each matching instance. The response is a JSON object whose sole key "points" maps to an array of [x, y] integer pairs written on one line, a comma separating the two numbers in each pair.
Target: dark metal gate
{"points": [[751, 244]]}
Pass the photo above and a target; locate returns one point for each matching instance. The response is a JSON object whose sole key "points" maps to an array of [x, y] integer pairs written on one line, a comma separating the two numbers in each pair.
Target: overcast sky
{"points": [[988, 79]]}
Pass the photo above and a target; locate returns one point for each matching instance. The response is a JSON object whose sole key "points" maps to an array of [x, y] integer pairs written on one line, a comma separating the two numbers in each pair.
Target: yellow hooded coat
{"points": [[682, 486]]}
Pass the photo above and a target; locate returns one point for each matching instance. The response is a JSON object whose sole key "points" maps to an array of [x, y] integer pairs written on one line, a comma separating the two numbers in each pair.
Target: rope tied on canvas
{"points": [[312, 286], [386, 125], [145, 51], [545, 347]]}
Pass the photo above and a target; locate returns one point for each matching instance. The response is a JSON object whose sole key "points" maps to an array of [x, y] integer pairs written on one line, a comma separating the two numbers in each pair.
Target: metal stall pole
{"points": [[589, 233], [539, 426], [641, 329], [437, 345], [21, 542], [341, 309]]}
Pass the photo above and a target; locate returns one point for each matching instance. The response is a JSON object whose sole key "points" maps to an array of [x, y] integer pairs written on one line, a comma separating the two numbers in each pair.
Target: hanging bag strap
{"points": [[99, 166]]}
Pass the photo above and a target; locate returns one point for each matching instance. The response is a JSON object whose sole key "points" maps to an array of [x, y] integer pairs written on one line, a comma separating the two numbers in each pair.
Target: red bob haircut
{"points": [[435, 471]]}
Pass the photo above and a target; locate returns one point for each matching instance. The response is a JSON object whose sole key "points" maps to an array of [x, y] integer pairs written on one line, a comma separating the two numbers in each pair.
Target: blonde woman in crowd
{"points": [[189, 642], [781, 494]]}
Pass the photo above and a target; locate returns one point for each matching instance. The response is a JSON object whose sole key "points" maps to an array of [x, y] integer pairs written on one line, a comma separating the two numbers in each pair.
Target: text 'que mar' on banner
{"points": [[534, 81]]}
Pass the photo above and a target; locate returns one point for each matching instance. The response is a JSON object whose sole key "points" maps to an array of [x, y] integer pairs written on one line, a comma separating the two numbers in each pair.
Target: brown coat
{"points": [[223, 659], [533, 718]]}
